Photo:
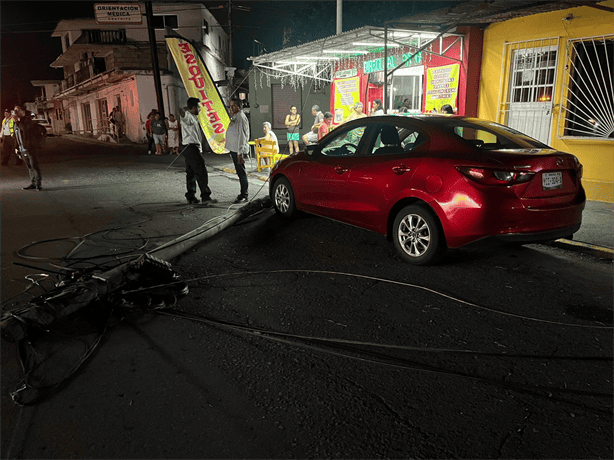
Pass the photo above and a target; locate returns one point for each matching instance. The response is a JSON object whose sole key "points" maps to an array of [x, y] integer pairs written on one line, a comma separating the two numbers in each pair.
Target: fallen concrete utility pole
{"points": [[69, 297], [172, 249]]}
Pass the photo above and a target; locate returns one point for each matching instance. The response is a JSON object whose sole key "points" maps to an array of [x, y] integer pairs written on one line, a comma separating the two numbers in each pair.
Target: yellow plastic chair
{"points": [[266, 149]]}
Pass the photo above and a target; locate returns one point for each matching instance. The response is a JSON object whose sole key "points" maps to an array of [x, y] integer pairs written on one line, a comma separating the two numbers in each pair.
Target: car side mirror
{"points": [[311, 150]]}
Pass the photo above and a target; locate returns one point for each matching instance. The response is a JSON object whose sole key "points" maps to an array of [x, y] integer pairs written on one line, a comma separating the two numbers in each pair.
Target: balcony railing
{"points": [[82, 75], [105, 37]]}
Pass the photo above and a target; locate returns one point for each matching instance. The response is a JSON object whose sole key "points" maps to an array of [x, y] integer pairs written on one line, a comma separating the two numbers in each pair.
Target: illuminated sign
{"points": [[112, 13], [345, 73], [441, 87], [377, 65]]}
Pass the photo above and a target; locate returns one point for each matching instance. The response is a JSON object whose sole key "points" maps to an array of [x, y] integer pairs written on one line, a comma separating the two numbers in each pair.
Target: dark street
{"points": [[303, 338]]}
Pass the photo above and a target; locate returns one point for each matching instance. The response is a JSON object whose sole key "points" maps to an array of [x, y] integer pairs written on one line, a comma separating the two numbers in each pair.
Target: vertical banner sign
{"points": [[441, 87], [347, 93], [213, 116]]}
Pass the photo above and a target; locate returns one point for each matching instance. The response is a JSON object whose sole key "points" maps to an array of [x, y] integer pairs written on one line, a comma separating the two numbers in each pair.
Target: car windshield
{"points": [[492, 136]]}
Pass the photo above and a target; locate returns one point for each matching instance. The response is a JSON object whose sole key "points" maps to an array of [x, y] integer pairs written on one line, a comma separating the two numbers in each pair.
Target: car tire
{"points": [[283, 198], [418, 236]]}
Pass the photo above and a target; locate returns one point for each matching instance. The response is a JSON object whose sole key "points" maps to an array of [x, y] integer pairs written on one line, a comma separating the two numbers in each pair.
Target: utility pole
{"points": [[154, 58], [230, 33]]}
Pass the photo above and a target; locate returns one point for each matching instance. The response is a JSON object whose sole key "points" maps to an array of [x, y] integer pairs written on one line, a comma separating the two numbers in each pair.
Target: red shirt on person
{"points": [[323, 129]]}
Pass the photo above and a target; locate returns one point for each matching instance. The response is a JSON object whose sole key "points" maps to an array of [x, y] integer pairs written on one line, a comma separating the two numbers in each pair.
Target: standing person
{"points": [[356, 112], [158, 129], [120, 122], [377, 107], [112, 122], [447, 109], [172, 126], [323, 129], [293, 120], [237, 137], [29, 141], [195, 169], [149, 133], [8, 138]]}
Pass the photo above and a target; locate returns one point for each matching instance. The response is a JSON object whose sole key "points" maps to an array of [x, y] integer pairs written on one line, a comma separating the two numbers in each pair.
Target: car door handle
{"points": [[401, 169], [340, 170]]}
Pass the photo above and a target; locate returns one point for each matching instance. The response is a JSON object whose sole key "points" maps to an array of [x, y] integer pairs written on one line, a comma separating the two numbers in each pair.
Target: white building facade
{"points": [[110, 65]]}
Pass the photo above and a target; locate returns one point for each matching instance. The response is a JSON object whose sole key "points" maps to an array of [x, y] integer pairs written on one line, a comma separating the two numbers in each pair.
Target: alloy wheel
{"points": [[282, 198], [414, 235]]}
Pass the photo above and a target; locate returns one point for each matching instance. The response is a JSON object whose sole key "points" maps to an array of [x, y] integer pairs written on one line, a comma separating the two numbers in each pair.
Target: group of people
{"points": [[237, 138], [24, 138], [322, 123], [162, 134], [319, 128]]}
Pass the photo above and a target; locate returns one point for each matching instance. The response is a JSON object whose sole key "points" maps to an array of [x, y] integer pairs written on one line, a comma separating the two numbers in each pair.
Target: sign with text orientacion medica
{"points": [[441, 87], [112, 13], [213, 117]]}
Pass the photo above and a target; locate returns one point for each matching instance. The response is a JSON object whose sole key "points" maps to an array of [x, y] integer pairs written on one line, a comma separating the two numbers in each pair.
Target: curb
{"points": [[586, 248], [252, 175]]}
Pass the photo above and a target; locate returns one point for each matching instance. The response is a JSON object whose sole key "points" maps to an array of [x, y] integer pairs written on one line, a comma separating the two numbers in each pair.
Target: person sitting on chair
{"points": [[270, 136]]}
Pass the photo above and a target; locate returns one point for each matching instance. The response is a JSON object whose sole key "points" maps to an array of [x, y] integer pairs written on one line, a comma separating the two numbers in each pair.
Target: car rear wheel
{"points": [[418, 236], [283, 198]]}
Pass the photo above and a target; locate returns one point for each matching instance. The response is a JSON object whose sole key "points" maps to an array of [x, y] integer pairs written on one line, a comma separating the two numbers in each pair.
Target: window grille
{"points": [[533, 75], [587, 100]]}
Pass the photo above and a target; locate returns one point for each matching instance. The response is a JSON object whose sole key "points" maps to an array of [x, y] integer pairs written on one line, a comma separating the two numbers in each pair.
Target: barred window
{"points": [[588, 97]]}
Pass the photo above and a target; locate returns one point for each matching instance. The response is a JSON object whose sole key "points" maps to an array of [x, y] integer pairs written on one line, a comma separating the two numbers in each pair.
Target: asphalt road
{"points": [[308, 338]]}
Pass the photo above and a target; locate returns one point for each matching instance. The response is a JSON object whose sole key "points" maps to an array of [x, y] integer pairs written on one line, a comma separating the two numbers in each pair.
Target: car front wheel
{"points": [[417, 236], [283, 198]]}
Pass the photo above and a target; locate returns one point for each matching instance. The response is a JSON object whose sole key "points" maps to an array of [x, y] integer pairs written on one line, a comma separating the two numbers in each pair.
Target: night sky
{"points": [[27, 47]]}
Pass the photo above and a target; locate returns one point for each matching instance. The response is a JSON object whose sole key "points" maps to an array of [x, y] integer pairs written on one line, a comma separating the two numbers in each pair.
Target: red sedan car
{"points": [[434, 182]]}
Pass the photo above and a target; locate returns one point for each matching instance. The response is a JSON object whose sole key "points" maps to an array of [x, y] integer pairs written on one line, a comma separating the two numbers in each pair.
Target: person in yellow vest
{"points": [[8, 138]]}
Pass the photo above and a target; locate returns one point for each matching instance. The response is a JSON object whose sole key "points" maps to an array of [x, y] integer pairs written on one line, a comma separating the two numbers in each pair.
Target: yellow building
{"points": [[550, 76]]}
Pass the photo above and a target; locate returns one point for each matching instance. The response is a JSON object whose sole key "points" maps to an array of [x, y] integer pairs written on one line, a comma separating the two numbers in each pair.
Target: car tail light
{"points": [[579, 168], [489, 176]]}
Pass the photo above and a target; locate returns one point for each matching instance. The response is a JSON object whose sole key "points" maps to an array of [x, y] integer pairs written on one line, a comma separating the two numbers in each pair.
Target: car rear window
{"points": [[493, 136]]}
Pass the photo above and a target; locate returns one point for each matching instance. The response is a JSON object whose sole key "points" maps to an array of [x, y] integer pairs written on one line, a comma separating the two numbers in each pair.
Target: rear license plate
{"points": [[552, 180]]}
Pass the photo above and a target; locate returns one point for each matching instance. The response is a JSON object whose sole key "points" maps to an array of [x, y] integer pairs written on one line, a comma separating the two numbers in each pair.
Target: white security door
{"points": [[532, 78]]}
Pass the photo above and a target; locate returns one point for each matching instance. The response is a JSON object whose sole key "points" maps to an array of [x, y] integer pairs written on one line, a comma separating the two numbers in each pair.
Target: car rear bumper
{"points": [[528, 238], [508, 220]]}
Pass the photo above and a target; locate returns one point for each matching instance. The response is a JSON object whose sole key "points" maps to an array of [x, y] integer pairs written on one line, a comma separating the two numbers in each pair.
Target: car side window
{"points": [[482, 139], [394, 139], [345, 143]]}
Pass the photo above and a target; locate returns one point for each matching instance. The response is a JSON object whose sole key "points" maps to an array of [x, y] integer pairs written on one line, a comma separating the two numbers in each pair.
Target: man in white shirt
{"points": [[195, 169], [237, 138]]}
